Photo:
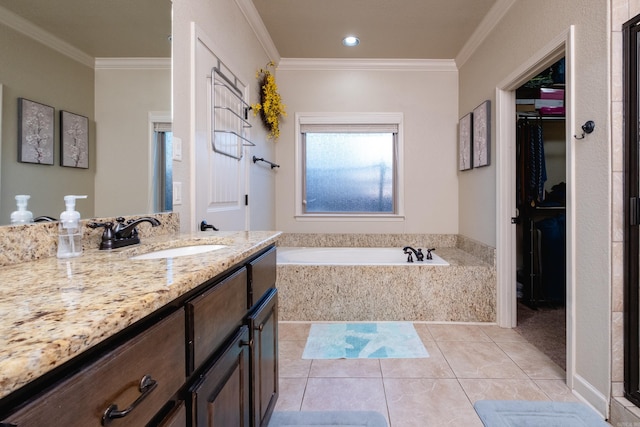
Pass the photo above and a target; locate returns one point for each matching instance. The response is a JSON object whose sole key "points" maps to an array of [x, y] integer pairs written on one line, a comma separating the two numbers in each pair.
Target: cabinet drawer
{"points": [[215, 315], [114, 379], [262, 276]]}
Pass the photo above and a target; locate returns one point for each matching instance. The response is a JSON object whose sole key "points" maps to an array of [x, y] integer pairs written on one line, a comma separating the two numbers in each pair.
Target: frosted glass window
{"points": [[349, 172]]}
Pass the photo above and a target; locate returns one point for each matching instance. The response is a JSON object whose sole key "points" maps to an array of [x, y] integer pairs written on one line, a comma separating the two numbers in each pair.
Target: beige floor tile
{"points": [[428, 403], [498, 334], [291, 392], [479, 360], [291, 364], [345, 394], [502, 389], [423, 331], [557, 390], [532, 361], [434, 366], [355, 368], [466, 333], [293, 331]]}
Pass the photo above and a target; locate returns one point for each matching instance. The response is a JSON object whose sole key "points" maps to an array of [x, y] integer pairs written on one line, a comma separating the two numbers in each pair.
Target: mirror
{"points": [[108, 61]]}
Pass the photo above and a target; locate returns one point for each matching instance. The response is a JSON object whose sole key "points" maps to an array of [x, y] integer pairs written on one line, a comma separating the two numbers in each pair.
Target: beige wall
{"points": [[523, 32], [428, 101], [239, 48], [124, 99], [32, 71]]}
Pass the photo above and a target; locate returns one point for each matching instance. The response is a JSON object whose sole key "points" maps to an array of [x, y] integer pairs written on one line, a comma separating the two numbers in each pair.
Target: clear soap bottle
{"points": [[22, 215], [69, 230]]}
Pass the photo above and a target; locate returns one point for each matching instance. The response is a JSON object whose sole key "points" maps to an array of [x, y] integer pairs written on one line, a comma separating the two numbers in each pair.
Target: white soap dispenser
{"points": [[22, 215], [69, 230]]}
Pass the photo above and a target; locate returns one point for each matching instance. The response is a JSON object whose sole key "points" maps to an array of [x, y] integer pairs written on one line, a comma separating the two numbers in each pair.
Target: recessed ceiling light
{"points": [[351, 41]]}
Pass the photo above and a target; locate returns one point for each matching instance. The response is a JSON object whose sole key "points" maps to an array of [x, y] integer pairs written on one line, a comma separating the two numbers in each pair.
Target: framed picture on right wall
{"points": [[482, 134]]}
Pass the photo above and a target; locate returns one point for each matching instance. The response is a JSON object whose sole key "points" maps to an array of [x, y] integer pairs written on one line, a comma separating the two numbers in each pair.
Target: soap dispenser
{"points": [[22, 215], [69, 230]]}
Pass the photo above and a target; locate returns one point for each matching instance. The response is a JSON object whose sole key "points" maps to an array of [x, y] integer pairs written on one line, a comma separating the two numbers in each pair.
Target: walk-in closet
{"points": [[540, 202]]}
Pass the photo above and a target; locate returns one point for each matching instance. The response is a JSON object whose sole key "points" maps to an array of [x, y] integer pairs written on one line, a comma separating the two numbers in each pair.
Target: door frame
{"points": [[561, 46]]}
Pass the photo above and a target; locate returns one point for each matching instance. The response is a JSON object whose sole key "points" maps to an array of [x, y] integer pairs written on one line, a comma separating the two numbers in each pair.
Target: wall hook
{"points": [[587, 128]]}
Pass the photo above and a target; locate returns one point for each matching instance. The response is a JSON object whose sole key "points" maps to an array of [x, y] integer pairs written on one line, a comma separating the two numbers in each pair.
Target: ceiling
{"points": [[394, 29], [388, 29], [103, 28]]}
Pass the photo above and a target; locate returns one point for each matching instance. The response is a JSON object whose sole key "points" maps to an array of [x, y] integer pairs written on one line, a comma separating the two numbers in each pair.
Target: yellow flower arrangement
{"points": [[270, 107]]}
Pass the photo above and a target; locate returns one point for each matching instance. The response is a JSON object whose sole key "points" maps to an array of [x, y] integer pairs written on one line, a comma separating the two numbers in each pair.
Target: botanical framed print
{"points": [[465, 143], [74, 140], [35, 132], [481, 134]]}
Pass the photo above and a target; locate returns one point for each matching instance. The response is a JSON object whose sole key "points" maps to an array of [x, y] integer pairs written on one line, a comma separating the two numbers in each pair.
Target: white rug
{"points": [[522, 413], [380, 340], [328, 418]]}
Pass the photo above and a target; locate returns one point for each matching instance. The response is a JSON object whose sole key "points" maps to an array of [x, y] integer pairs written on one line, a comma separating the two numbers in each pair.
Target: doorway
{"points": [[540, 202], [560, 47]]}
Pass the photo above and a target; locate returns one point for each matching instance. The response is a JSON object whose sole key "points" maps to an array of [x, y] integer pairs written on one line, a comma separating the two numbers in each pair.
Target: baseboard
{"points": [[588, 394]]}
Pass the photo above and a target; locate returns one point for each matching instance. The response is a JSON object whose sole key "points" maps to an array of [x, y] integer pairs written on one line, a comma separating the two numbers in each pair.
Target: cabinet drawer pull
{"points": [[147, 385], [260, 327], [246, 343]]}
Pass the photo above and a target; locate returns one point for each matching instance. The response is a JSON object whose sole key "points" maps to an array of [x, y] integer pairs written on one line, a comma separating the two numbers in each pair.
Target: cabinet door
{"points": [[263, 322], [220, 398], [177, 417]]}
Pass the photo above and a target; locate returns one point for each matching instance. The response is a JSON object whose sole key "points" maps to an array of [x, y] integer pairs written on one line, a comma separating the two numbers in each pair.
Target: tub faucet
{"points": [[122, 234], [418, 253], [429, 256]]}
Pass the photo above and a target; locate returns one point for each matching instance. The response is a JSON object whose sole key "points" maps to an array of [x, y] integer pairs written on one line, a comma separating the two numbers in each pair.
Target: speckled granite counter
{"points": [[54, 309]]}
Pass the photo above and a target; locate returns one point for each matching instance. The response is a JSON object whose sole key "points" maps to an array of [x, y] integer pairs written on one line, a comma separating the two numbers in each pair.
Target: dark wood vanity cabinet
{"points": [[110, 390], [209, 360], [238, 384]]}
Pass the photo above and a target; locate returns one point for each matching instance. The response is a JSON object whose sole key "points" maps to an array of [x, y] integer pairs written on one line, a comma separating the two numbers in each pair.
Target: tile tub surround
{"points": [[464, 291], [55, 309], [30, 242]]}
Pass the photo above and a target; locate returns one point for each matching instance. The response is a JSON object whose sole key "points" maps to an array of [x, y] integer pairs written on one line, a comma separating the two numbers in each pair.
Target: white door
{"points": [[220, 179]]}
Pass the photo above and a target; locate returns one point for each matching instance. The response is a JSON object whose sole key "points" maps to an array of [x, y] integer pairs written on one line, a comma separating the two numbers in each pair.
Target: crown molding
{"points": [[487, 25], [325, 64], [132, 63], [252, 16], [36, 33]]}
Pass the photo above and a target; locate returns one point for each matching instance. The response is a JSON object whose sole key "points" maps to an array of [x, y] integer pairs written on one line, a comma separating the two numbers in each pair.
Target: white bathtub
{"points": [[350, 256]]}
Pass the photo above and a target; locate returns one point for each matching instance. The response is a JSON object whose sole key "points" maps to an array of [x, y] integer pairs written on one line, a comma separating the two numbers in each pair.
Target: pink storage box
{"points": [[551, 93], [552, 111]]}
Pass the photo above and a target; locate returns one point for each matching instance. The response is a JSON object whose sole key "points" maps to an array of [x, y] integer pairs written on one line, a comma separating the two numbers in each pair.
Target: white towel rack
{"points": [[229, 115]]}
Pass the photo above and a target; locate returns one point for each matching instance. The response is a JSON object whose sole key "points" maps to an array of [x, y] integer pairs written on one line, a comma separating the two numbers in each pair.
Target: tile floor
{"points": [[467, 363]]}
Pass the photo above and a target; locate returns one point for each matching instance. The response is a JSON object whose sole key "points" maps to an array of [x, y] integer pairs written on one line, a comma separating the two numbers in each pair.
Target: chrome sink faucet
{"points": [[123, 233]]}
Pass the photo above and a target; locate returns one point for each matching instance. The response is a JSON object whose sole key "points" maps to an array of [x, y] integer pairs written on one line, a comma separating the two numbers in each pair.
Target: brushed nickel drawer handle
{"points": [[246, 343], [260, 327], [147, 385]]}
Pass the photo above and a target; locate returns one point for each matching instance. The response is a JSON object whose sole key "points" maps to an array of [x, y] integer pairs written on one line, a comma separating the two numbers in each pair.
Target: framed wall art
{"points": [[35, 132], [465, 143], [74, 140], [481, 134]]}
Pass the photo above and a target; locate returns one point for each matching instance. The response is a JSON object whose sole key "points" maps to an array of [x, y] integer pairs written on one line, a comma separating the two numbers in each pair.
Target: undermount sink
{"points": [[177, 252]]}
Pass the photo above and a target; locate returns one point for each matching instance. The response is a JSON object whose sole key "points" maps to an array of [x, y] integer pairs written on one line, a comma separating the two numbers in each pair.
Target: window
{"points": [[349, 167]]}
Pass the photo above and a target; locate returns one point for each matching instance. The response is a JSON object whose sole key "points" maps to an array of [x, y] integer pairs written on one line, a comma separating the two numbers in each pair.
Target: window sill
{"points": [[350, 217]]}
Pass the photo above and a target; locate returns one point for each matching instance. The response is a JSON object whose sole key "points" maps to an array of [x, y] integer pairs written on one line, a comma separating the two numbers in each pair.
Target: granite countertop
{"points": [[54, 309]]}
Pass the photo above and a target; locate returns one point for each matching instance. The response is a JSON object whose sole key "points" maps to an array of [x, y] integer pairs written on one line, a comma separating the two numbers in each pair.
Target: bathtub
{"points": [[338, 284], [351, 256]]}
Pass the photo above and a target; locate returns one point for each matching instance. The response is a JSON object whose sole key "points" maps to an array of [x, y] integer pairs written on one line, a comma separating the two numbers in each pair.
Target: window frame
{"points": [[348, 119]]}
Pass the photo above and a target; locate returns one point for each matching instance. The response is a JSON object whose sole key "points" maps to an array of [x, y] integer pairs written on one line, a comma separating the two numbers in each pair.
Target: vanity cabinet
{"points": [[127, 386], [209, 358]]}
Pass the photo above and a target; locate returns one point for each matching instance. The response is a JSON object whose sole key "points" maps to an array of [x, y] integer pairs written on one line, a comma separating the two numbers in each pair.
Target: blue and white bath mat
{"points": [[381, 340]]}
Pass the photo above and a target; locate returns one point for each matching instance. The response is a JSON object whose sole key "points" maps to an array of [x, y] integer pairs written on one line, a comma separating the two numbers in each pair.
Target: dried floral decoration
{"points": [[270, 107]]}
